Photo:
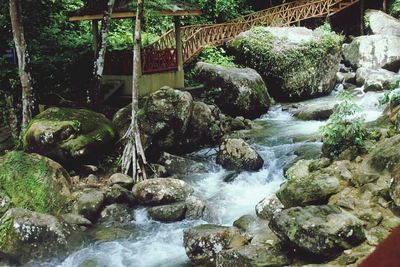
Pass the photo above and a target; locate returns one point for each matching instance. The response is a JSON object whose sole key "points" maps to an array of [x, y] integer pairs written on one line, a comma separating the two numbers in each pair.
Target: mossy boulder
{"points": [[296, 63], [35, 182], [385, 156], [168, 213], [68, 135], [242, 90], [26, 235], [322, 231]]}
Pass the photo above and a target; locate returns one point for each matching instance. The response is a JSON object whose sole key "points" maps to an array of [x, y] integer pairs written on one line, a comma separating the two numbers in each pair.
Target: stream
{"points": [[280, 140]]}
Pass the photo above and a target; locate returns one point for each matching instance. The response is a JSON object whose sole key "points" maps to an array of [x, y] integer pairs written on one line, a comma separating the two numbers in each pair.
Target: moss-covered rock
{"points": [[168, 213], [34, 182], [385, 156], [66, 135], [242, 90], [26, 235], [296, 63]]}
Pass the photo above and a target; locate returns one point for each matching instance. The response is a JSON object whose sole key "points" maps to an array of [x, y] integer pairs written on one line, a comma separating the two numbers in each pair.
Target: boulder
{"points": [[26, 235], [323, 231], [195, 208], [118, 194], [202, 243], [385, 155], [236, 154], [122, 120], [168, 213], [164, 118], [116, 213], [66, 135], [176, 165], [304, 188], [89, 203], [35, 182], [267, 207], [243, 91], [121, 179], [381, 23], [315, 111], [161, 191], [295, 62], [373, 51], [376, 80]]}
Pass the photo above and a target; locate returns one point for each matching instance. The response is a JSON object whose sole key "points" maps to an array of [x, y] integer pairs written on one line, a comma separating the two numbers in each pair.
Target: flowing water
{"points": [[280, 140]]}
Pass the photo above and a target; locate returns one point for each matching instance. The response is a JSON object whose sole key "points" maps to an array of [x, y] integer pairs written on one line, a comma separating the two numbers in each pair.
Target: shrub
{"points": [[345, 127], [218, 56], [392, 96], [395, 9]]}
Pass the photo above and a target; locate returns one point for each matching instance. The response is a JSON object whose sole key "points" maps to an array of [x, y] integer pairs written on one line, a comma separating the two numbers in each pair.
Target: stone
{"points": [[376, 80], [236, 154], [394, 191], [121, 179], [116, 213], [385, 155], [118, 194], [267, 207], [202, 243], [316, 111], [323, 231], [374, 52], [176, 165], [76, 219], [168, 213], [161, 191], [347, 77], [304, 188], [5, 203], [122, 120], [243, 91], [381, 23], [34, 182], [26, 235], [195, 208], [295, 62], [89, 203], [164, 119], [69, 135], [111, 233]]}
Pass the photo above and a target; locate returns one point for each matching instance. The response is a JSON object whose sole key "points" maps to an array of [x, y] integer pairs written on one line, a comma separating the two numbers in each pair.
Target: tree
{"points": [[29, 103], [133, 152]]}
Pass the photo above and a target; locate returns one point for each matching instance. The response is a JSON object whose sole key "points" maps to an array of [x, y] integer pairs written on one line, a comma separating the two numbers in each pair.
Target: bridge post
{"points": [[179, 50]]}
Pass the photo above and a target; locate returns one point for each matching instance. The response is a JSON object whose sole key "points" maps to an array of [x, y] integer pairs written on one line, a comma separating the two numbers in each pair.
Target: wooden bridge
{"points": [[196, 37]]}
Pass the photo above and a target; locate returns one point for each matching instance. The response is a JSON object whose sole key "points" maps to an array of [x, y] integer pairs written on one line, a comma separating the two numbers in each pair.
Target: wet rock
{"points": [[323, 231], [202, 243], [385, 155], [304, 188], [89, 203], [26, 235], [111, 233], [347, 77], [66, 135], [34, 182], [116, 213], [381, 23], [121, 179], [373, 51], [253, 256], [245, 222], [76, 219], [236, 154], [287, 61], [164, 118], [168, 213], [267, 207], [243, 91], [376, 80], [176, 165], [195, 208], [160, 191], [118, 194], [315, 111]]}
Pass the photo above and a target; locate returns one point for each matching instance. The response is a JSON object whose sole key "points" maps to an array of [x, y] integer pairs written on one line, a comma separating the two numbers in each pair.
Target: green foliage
{"points": [[218, 56], [345, 128], [392, 96], [395, 9]]}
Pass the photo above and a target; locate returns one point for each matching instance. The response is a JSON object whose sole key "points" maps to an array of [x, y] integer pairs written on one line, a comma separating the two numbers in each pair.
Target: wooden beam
{"points": [[130, 14]]}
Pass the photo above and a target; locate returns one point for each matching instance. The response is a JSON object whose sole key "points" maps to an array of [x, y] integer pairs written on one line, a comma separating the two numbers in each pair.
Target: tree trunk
{"points": [[29, 103], [93, 94], [134, 153]]}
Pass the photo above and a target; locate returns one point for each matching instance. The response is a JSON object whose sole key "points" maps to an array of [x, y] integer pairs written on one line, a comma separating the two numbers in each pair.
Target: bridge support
{"points": [[179, 50]]}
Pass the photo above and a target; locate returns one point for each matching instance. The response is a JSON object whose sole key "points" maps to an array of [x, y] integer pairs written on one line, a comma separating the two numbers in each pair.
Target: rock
{"points": [[195, 208], [26, 235], [253, 256], [116, 213], [373, 51], [243, 91], [161, 191], [381, 23], [176, 165], [236, 154], [66, 135], [385, 155], [323, 231], [122, 120], [376, 80], [92, 179], [395, 191], [348, 77], [202, 243], [304, 188], [35, 182], [111, 233], [267, 207], [118, 194], [295, 62], [164, 118], [316, 111], [205, 127], [76, 219], [168, 213], [89, 203], [121, 179]]}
